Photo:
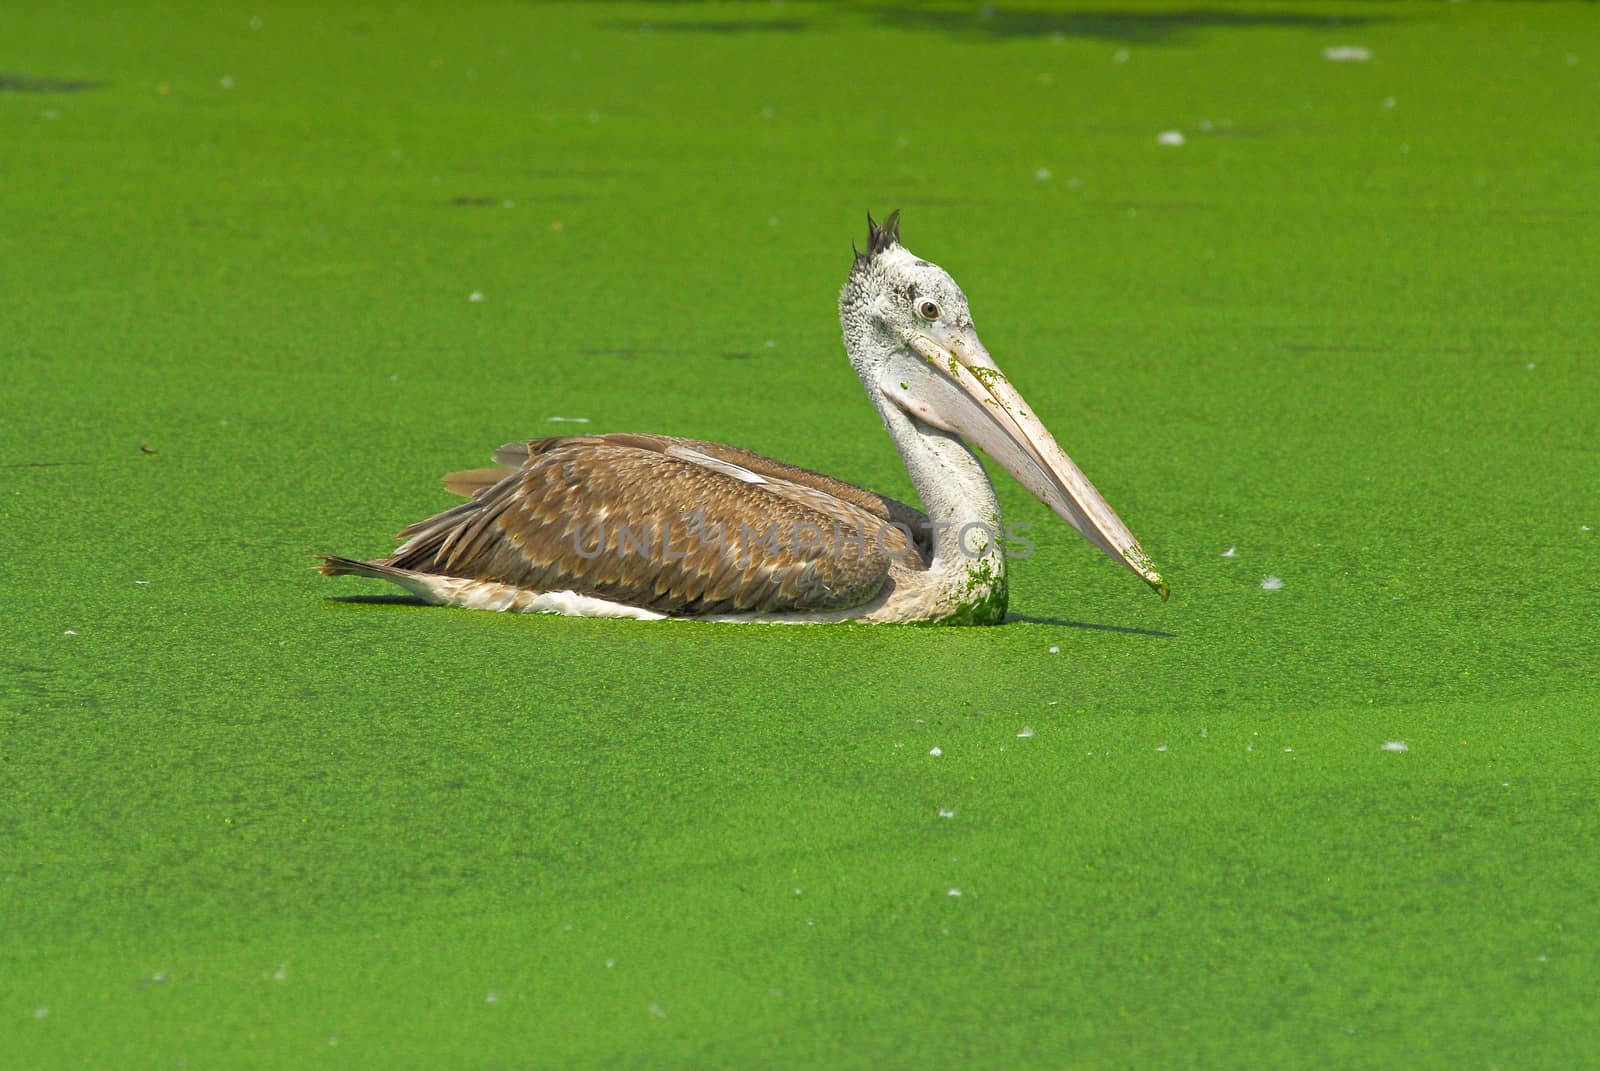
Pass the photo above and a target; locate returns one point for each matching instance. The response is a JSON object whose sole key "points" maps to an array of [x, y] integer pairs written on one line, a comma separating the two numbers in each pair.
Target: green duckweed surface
{"points": [[1343, 335]]}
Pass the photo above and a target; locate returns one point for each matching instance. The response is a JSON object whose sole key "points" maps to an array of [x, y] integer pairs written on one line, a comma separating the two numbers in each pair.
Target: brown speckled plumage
{"points": [[638, 520]]}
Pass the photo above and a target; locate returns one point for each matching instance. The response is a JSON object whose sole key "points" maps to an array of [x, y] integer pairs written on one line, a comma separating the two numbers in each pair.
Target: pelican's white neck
{"points": [[968, 553]]}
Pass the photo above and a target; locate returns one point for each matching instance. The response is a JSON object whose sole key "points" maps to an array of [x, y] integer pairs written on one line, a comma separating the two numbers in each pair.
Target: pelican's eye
{"points": [[927, 310]]}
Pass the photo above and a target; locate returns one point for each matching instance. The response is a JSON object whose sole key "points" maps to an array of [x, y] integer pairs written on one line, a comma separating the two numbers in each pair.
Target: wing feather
{"points": [[674, 525]]}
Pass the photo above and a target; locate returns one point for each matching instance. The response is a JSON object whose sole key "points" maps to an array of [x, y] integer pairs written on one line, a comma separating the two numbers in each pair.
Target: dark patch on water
{"points": [[1063, 623], [380, 600], [28, 688], [726, 26], [23, 680], [1132, 27], [998, 22], [24, 83]]}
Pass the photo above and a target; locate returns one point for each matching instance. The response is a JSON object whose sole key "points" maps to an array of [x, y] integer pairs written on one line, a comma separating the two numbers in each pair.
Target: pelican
{"points": [[652, 526]]}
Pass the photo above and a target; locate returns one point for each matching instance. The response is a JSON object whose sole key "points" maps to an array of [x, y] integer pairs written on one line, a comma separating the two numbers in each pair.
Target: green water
{"points": [[1346, 328]]}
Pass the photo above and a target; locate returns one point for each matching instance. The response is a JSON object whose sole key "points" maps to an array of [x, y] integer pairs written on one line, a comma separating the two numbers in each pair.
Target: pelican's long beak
{"points": [[961, 390]]}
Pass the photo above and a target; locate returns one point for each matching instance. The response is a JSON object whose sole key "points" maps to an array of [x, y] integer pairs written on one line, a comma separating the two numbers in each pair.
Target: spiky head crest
{"points": [[892, 293], [879, 239]]}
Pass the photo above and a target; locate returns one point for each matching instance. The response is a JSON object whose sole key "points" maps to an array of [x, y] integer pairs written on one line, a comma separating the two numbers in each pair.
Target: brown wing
{"points": [[887, 510], [658, 523]]}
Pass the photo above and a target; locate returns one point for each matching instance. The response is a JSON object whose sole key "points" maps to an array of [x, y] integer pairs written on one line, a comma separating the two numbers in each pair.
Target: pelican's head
{"points": [[912, 341]]}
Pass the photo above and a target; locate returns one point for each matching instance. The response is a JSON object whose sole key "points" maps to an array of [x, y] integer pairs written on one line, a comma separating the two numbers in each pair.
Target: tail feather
{"points": [[419, 584], [334, 565]]}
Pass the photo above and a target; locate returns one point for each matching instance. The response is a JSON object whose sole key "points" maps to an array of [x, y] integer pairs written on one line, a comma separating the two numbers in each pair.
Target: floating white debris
{"points": [[656, 1012], [255, 22], [41, 1012], [141, 581], [947, 812], [566, 420], [491, 997], [1042, 174], [476, 295], [1395, 745], [954, 892], [799, 892], [1230, 552], [1346, 54], [936, 751], [1531, 366], [1025, 732], [226, 81], [281, 974], [772, 344], [1119, 56], [1055, 649], [1388, 102], [1583, 528], [1288, 751], [1161, 747], [1170, 137], [1270, 583], [610, 963], [508, 203], [70, 632]]}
